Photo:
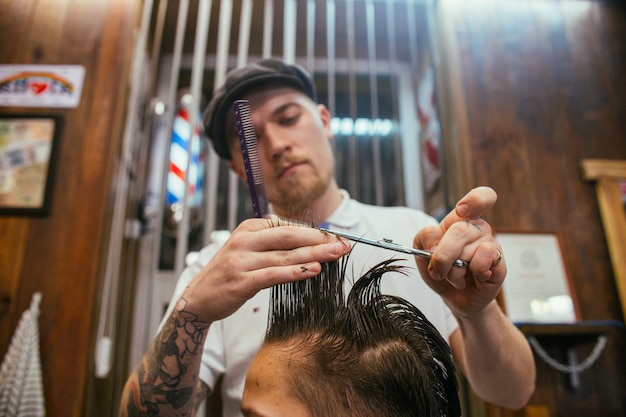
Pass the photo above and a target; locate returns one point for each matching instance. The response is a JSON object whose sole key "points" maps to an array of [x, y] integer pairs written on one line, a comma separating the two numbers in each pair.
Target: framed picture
{"points": [[537, 286], [27, 156]]}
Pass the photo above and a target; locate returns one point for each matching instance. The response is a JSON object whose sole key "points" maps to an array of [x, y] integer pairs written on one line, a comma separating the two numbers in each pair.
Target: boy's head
{"points": [[371, 355]]}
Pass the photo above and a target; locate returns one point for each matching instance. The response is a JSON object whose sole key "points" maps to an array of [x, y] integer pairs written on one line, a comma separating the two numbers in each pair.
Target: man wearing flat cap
{"points": [[218, 315]]}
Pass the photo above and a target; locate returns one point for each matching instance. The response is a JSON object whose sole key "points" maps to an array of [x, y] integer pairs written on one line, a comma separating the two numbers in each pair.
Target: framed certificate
{"points": [[537, 286], [27, 151]]}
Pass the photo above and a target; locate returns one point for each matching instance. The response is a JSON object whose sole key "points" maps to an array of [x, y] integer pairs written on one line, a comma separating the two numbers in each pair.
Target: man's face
{"points": [[294, 144], [267, 392]]}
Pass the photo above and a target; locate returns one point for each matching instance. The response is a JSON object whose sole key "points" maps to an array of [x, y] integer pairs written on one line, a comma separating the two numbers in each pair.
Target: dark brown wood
{"points": [[542, 88], [580, 330], [534, 90], [62, 254]]}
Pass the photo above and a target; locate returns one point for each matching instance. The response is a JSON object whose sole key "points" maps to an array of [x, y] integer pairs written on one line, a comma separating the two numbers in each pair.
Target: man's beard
{"points": [[295, 197]]}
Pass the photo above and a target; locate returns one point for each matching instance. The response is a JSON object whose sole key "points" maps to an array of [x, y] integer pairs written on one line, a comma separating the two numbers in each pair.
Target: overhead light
{"points": [[346, 126]]}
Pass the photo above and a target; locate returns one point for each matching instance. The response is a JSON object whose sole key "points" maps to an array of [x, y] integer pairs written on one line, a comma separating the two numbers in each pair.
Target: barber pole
{"points": [[183, 155]]}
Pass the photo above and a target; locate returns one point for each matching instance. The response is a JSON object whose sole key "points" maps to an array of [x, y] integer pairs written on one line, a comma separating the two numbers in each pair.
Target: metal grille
{"points": [[366, 57]]}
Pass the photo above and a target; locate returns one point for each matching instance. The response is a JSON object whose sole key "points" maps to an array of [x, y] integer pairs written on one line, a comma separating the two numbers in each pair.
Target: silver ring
{"points": [[498, 259]]}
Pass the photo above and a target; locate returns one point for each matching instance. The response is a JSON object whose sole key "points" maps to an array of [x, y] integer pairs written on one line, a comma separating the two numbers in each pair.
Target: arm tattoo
{"points": [[166, 381]]}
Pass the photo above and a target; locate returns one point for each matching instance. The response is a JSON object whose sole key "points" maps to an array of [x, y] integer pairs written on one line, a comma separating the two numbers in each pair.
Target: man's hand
{"points": [[462, 234], [259, 254]]}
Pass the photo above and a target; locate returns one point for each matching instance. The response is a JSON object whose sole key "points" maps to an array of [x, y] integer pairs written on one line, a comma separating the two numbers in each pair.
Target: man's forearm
{"points": [[498, 361], [166, 381]]}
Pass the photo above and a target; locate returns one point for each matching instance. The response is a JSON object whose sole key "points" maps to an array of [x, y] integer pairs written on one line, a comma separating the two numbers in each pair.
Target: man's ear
{"points": [[325, 116], [239, 171]]}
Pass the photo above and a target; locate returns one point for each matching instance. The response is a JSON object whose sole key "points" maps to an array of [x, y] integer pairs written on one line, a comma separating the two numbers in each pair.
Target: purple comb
{"points": [[251, 158]]}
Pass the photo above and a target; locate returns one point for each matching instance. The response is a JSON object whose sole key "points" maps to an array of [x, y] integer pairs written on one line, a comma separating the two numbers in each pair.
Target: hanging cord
{"points": [[569, 369]]}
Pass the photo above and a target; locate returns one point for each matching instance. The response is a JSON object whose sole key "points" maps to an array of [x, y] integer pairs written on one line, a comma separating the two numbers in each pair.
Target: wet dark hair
{"points": [[372, 355]]}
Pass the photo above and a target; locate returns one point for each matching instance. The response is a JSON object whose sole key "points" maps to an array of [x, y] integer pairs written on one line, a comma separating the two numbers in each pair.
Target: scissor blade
{"points": [[388, 244]]}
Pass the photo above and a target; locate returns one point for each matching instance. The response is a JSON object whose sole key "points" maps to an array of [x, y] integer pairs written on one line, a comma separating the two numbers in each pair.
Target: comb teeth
{"points": [[251, 157]]}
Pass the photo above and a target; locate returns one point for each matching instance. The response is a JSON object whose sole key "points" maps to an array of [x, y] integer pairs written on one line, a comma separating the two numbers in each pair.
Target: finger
{"points": [[472, 206], [324, 252], [459, 242], [498, 266], [441, 269], [428, 238], [461, 234], [484, 266], [486, 258], [261, 235], [275, 275], [457, 278], [287, 266], [283, 253]]}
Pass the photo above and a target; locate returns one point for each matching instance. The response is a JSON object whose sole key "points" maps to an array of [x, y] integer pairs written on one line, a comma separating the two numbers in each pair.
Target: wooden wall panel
{"points": [[542, 89], [62, 254]]}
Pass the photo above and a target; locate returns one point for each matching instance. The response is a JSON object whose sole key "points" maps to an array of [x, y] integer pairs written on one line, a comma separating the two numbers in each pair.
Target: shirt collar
{"points": [[344, 216]]}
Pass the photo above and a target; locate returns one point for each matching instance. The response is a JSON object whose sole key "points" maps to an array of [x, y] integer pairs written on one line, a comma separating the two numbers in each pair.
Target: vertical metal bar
{"points": [[223, 41], [156, 177], [155, 195], [108, 311], [181, 25], [392, 62], [268, 28], [245, 21], [158, 37], [373, 72], [221, 67], [431, 20], [310, 36], [197, 75], [352, 148], [289, 31], [179, 37], [330, 46], [412, 161], [141, 330], [412, 35]]}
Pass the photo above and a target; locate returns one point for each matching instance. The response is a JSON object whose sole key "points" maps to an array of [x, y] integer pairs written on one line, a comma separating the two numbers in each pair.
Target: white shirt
{"points": [[232, 343]]}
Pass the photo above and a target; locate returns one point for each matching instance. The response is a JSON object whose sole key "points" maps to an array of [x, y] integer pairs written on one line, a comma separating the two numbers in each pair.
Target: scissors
{"points": [[389, 244], [249, 150]]}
